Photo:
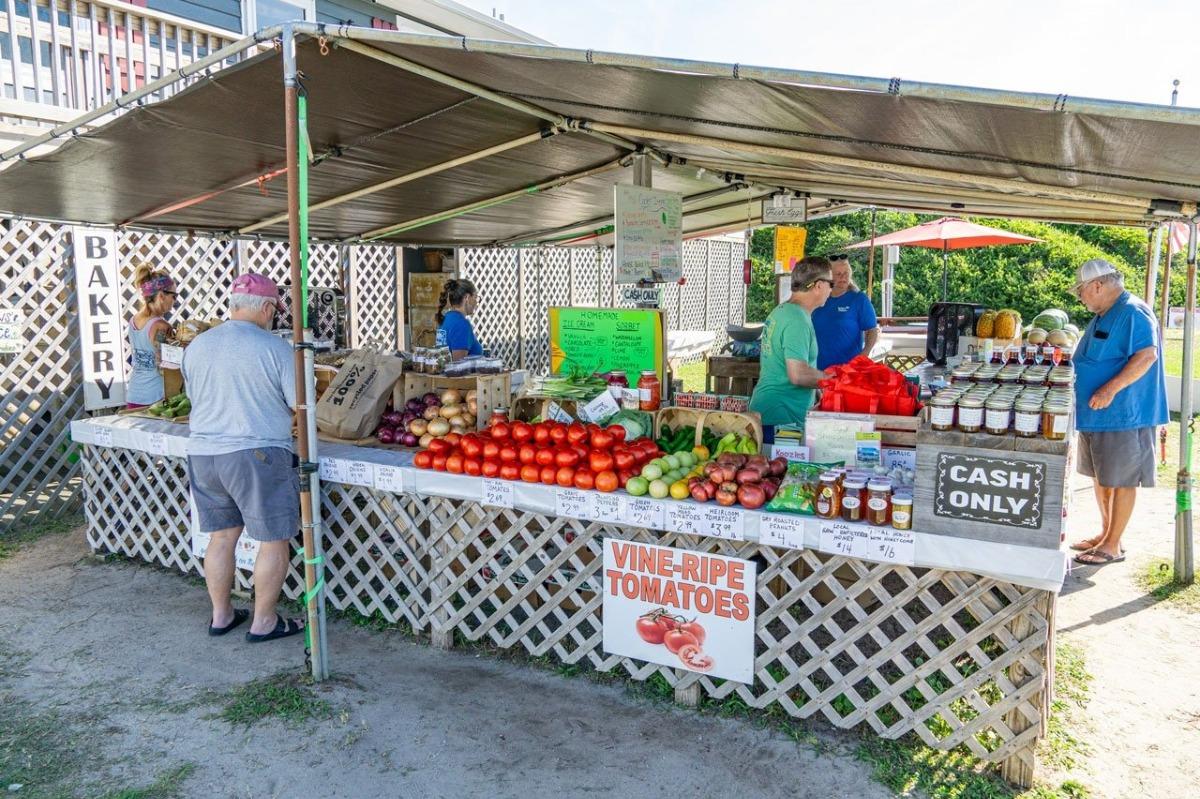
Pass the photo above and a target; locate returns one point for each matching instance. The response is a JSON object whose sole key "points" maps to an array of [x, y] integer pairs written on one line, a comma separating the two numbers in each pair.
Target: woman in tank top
{"points": [[147, 331]]}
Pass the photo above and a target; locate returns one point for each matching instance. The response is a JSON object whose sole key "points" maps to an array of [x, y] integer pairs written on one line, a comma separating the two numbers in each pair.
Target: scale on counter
{"points": [[744, 340]]}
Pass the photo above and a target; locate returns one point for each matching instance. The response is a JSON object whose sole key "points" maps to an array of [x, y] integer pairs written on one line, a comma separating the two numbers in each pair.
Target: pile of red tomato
{"points": [[552, 453]]}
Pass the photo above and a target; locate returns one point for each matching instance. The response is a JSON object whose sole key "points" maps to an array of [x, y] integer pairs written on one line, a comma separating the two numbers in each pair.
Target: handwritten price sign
{"points": [[389, 478], [780, 530], [575, 504], [157, 444], [607, 508], [357, 473], [838, 538], [103, 435], [642, 512], [889, 545], [684, 517], [497, 493], [727, 523]]}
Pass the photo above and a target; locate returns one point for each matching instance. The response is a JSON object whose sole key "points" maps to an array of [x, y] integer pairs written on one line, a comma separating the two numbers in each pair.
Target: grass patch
{"points": [[167, 786], [286, 695], [23, 534], [692, 375], [40, 751], [1157, 577], [1062, 748]]}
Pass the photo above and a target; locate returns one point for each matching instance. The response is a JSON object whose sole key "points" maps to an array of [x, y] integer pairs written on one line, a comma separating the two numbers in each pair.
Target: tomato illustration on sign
{"points": [[681, 637]]}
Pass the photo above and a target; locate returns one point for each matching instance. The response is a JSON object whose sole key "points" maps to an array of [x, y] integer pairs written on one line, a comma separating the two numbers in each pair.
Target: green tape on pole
{"points": [[302, 183], [310, 595]]}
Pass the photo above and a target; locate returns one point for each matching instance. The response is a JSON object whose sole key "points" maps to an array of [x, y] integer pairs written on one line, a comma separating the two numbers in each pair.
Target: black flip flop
{"points": [[283, 629], [1104, 558], [239, 616]]}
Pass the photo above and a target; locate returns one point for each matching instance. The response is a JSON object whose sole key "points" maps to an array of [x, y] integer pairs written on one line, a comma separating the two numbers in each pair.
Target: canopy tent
{"points": [[446, 141], [945, 234]]}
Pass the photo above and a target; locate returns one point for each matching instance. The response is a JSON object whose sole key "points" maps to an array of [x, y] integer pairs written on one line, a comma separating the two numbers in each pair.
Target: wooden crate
{"points": [[727, 374], [533, 406], [492, 391], [1034, 474], [426, 288]]}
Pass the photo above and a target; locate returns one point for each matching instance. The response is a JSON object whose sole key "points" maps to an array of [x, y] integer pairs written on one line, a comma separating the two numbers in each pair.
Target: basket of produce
{"points": [[717, 431]]}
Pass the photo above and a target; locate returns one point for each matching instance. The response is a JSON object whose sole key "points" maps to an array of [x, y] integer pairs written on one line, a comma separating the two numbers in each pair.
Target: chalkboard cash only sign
{"points": [[997, 490]]}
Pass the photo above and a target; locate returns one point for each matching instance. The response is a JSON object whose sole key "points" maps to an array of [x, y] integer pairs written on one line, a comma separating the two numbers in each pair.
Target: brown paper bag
{"points": [[351, 406]]}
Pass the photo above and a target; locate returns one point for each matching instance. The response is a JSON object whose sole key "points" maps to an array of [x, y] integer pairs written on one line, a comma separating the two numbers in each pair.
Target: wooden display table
{"points": [[727, 374]]}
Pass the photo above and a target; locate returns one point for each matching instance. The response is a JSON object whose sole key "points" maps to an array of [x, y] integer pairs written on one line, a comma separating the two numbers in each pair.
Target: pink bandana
{"points": [[157, 284]]}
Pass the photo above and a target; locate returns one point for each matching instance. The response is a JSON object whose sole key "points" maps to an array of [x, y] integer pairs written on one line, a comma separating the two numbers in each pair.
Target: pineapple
{"points": [[985, 327]]}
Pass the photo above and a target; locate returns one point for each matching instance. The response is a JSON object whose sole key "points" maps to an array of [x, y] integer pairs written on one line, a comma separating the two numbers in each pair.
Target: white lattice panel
{"points": [[495, 273], [373, 271], [203, 269], [585, 275], [545, 281], [692, 300]]}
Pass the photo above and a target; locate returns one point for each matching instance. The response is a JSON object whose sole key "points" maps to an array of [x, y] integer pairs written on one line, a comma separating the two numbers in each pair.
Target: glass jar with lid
{"points": [[1027, 418], [941, 412], [997, 415], [879, 502], [1056, 421], [902, 510], [970, 414], [828, 503], [854, 499]]}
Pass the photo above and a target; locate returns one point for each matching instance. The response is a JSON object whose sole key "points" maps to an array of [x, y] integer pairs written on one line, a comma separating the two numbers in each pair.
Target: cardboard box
{"points": [[426, 288]]}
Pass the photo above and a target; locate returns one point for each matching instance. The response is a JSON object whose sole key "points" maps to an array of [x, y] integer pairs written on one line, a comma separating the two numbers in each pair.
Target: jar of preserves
{"points": [[828, 504], [997, 415], [854, 499], [941, 412], [970, 414], [649, 391], [499, 414], [879, 503], [1027, 418], [902, 507], [1056, 420], [617, 383]]}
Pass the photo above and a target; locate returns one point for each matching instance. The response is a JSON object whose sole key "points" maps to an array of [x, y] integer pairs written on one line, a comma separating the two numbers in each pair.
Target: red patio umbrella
{"points": [[945, 234]]}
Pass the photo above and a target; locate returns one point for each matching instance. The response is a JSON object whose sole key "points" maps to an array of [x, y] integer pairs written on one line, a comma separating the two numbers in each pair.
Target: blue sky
{"points": [[1115, 49]]}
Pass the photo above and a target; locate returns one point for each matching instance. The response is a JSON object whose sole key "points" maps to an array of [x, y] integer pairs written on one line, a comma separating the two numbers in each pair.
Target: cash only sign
{"points": [[679, 608]]}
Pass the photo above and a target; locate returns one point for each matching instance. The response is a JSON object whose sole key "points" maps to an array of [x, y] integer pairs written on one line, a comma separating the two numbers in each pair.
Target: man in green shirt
{"points": [[788, 370]]}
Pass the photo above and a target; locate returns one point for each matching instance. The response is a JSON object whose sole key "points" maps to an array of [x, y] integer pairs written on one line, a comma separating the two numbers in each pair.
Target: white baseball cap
{"points": [[1089, 271]]}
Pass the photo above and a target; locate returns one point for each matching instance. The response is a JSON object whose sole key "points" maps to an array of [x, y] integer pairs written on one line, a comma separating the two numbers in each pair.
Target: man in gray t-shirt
{"points": [[241, 380]]}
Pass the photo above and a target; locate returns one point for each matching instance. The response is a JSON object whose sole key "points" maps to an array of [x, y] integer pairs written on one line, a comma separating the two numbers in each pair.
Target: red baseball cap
{"points": [[256, 285]]}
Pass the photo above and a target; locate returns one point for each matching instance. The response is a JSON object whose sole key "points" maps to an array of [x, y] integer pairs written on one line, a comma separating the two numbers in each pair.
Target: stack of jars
{"points": [[999, 410], [859, 496]]}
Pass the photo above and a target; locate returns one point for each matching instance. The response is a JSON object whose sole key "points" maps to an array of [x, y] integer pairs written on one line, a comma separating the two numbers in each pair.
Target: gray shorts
{"points": [[1118, 458], [258, 489]]}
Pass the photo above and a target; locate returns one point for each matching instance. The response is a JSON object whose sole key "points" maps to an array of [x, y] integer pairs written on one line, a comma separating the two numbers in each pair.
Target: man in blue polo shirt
{"points": [[846, 325], [1120, 400]]}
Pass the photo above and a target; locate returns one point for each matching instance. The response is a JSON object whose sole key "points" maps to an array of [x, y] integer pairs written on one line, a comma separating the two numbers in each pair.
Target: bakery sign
{"points": [[995, 490]]}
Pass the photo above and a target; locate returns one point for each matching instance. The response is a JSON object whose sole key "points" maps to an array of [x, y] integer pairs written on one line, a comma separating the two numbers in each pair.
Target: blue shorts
{"points": [[258, 489]]}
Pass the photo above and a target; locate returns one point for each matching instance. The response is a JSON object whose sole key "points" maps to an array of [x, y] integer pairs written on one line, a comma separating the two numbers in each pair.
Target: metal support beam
{"points": [[400, 180], [1152, 266], [478, 205], [1184, 553], [928, 173], [643, 175]]}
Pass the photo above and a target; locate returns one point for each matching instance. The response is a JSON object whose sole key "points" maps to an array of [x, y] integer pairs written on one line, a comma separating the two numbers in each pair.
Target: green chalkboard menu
{"points": [[632, 340]]}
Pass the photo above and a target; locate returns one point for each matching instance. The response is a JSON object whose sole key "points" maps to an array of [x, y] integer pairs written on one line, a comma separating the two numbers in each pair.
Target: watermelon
{"points": [[1051, 319]]}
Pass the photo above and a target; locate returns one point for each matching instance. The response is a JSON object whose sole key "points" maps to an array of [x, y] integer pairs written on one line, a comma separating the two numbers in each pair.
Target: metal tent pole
{"points": [[1164, 304], [310, 486], [871, 257], [1184, 566], [945, 268], [1154, 254]]}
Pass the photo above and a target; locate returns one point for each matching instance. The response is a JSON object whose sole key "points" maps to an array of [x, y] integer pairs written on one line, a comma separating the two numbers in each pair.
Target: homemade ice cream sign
{"points": [[683, 609], [630, 340], [101, 330], [648, 234], [998, 490]]}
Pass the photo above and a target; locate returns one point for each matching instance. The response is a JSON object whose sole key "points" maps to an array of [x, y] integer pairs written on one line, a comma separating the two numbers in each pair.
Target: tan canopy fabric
{"points": [[521, 144]]}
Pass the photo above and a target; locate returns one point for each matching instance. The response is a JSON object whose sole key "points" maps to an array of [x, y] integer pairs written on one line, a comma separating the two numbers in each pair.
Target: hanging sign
{"points": [[642, 296], [789, 247], [649, 235], [997, 490], [101, 332], [689, 610], [630, 340], [779, 210], [12, 326]]}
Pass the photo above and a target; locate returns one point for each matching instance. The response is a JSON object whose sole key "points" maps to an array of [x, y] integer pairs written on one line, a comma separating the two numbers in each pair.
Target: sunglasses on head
{"points": [[838, 256]]}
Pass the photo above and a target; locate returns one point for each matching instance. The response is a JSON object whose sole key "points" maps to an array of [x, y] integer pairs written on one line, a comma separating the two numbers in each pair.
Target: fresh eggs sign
{"points": [[689, 610], [101, 334], [996, 490]]}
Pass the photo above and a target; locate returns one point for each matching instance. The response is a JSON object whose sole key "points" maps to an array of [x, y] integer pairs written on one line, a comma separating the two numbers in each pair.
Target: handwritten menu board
{"points": [[631, 340], [648, 235]]}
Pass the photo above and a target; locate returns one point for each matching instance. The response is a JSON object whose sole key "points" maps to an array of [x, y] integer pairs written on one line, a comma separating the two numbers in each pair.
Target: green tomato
{"points": [[637, 486], [660, 489], [652, 471], [687, 460], [673, 461]]}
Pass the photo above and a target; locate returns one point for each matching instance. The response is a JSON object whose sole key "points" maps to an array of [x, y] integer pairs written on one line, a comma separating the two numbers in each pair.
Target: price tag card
{"points": [[575, 504], [607, 508], [728, 523], [358, 473], [839, 538], [890, 545], [781, 530], [157, 444], [793, 452], [171, 354], [103, 435], [897, 456], [557, 414], [685, 517], [389, 478], [642, 512], [497, 493], [600, 408]]}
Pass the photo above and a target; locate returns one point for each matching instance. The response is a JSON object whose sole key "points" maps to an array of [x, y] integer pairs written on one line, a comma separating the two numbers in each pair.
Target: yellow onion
{"points": [[439, 427]]}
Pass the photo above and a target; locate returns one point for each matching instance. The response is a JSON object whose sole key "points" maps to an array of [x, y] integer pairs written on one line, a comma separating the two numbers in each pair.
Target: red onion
{"points": [[386, 435]]}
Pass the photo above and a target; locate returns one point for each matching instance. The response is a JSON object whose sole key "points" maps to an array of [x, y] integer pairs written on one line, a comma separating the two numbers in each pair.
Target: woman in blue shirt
{"points": [[454, 330]]}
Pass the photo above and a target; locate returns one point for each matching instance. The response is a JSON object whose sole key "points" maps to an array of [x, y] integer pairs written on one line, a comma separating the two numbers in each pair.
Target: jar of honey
{"points": [[970, 414], [879, 502], [828, 504], [1056, 420], [902, 507], [854, 499], [941, 413]]}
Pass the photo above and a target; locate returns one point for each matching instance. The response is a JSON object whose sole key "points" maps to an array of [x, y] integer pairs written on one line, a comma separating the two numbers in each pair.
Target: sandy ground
{"points": [[1143, 720], [121, 650]]}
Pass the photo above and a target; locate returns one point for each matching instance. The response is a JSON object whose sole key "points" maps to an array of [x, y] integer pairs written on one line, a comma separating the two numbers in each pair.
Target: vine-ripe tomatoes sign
{"points": [[685, 609]]}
